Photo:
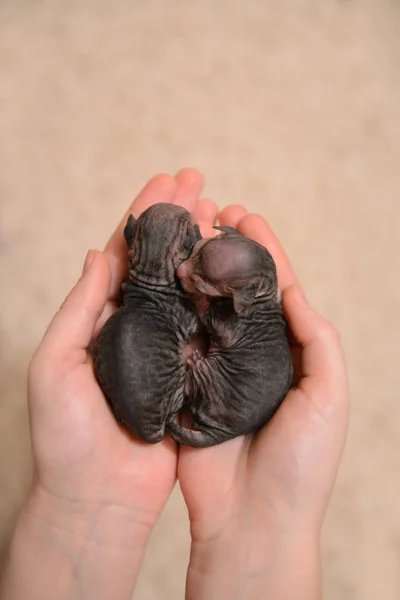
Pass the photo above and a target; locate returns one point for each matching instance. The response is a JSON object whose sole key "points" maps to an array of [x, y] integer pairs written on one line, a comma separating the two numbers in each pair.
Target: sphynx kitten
{"points": [[240, 383]]}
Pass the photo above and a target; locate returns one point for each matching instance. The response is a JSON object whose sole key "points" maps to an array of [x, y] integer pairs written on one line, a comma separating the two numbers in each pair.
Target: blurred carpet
{"points": [[291, 108]]}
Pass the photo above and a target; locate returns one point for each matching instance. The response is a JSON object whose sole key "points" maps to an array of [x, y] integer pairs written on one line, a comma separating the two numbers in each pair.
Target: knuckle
{"points": [[42, 370], [36, 373], [34, 366], [328, 332]]}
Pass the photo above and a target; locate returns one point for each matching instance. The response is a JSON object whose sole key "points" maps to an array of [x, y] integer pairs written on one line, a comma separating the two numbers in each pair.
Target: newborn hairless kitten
{"points": [[139, 355], [237, 387]]}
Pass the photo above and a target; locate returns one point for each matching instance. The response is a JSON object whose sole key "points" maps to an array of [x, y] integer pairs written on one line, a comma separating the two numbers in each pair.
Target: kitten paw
{"points": [[194, 358]]}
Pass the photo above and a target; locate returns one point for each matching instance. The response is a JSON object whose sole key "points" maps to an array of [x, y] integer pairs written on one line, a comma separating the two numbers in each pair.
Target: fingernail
{"points": [[301, 297], [88, 261]]}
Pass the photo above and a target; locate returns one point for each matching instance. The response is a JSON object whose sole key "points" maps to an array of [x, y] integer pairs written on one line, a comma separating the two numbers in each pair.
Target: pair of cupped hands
{"points": [[255, 503]]}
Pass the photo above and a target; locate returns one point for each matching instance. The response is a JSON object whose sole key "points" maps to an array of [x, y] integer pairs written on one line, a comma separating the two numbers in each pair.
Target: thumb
{"points": [[318, 339], [308, 432], [73, 326], [323, 385]]}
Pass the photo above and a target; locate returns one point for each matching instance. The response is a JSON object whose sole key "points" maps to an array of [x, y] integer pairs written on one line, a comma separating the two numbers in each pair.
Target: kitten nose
{"points": [[183, 270]]}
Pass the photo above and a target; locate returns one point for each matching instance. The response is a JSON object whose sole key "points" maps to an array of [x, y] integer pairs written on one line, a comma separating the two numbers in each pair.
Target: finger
{"points": [[322, 355], [231, 215], [206, 211], [189, 185], [109, 309], [72, 327], [206, 229], [256, 228], [161, 188]]}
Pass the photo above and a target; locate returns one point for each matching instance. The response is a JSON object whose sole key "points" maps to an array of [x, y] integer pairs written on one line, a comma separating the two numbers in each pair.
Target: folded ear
{"points": [[225, 229], [129, 230], [243, 297], [192, 237]]}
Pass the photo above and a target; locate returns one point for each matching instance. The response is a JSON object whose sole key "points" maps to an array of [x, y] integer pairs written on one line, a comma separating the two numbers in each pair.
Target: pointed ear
{"points": [[244, 296], [225, 229], [129, 230]]}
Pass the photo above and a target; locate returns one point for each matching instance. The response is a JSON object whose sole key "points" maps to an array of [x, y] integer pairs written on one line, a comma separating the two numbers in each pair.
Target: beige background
{"points": [[291, 108]]}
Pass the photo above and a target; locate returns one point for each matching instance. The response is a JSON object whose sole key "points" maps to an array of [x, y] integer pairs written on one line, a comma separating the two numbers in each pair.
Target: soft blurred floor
{"points": [[292, 108]]}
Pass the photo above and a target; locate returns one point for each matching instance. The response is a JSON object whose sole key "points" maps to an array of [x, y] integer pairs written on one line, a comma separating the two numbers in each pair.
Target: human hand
{"points": [[97, 490], [256, 503], [81, 453]]}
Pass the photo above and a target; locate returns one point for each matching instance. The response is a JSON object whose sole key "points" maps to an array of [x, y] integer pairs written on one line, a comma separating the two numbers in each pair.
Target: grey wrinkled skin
{"points": [[238, 386], [138, 355]]}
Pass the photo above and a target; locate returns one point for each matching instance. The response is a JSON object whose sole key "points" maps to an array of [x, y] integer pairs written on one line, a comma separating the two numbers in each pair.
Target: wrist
{"points": [[76, 520], [252, 565], [66, 550]]}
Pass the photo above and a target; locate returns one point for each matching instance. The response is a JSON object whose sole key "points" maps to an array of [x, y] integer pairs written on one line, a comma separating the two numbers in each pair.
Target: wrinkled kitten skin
{"points": [[247, 372], [138, 355]]}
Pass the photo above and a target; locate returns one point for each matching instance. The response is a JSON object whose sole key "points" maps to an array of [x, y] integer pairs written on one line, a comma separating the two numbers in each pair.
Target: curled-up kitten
{"points": [[139, 355], [238, 386]]}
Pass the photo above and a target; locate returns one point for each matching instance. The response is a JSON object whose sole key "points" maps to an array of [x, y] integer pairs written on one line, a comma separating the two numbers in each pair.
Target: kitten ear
{"points": [[192, 237], [129, 230], [243, 297], [227, 230]]}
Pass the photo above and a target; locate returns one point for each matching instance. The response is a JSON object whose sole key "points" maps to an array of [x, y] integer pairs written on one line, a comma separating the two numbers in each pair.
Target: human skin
{"points": [[97, 491], [138, 355], [256, 504]]}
